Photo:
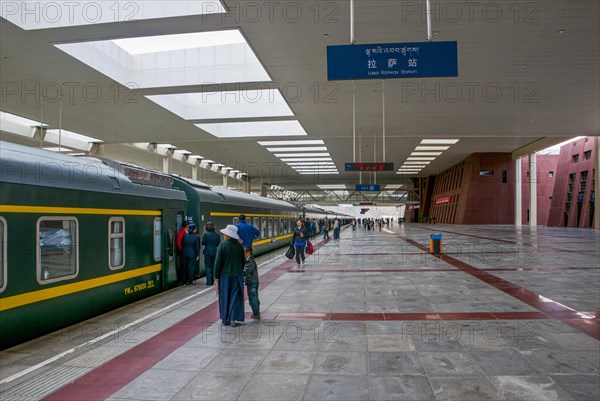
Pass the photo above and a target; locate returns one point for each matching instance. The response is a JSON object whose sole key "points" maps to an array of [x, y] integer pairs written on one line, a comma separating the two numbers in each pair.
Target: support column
{"points": [[167, 161], [532, 190], [518, 194], [225, 177], [597, 186], [195, 169]]}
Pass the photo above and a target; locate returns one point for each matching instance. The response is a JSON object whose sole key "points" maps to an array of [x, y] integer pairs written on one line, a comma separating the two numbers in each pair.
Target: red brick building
{"points": [[573, 196], [481, 190]]}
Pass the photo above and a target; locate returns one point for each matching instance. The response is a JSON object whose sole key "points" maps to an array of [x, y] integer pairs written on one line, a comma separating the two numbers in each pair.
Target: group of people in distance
{"points": [[229, 265]]}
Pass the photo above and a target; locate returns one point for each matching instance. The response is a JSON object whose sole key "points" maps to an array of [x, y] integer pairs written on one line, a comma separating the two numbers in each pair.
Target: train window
{"points": [[2, 254], [57, 249], [256, 223], [270, 227], [236, 220], [263, 228], [157, 239], [116, 243]]}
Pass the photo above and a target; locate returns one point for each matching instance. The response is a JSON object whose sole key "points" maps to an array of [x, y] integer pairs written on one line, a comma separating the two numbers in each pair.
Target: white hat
{"points": [[231, 231]]}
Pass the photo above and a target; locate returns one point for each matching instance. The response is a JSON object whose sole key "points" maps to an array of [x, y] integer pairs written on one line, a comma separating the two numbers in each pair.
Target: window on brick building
{"points": [[551, 174], [587, 155], [575, 158]]}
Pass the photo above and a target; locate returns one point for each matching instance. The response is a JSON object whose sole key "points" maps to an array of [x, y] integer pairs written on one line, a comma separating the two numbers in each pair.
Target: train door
{"points": [[169, 227]]}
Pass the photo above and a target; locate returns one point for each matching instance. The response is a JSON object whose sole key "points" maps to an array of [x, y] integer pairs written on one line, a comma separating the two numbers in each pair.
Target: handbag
{"points": [[291, 252], [309, 248]]}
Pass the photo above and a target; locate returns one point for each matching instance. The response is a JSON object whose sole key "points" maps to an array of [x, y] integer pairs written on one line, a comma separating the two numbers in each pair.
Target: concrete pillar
{"points": [[225, 178], [195, 169], [597, 186], [168, 161], [518, 194], [532, 190]]}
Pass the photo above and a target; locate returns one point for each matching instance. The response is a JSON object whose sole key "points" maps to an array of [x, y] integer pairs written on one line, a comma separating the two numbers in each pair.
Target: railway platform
{"points": [[501, 314]]}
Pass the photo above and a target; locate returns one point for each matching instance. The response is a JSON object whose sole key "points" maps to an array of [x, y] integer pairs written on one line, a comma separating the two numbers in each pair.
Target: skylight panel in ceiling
{"points": [[284, 155], [299, 149], [35, 14], [158, 44], [254, 129], [292, 143], [304, 159], [181, 59], [439, 141], [225, 105], [332, 186]]}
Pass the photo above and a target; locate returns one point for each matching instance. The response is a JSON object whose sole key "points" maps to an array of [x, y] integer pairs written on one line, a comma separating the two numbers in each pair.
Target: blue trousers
{"points": [[190, 267], [300, 253], [253, 298], [209, 262], [231, 299]]}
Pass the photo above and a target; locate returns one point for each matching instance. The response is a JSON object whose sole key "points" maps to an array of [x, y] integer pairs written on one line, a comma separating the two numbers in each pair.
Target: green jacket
{"points": [[230, 259]]}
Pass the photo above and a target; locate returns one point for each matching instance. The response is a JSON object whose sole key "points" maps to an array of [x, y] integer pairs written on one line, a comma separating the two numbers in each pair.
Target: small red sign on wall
{"points": [[442, 201]]}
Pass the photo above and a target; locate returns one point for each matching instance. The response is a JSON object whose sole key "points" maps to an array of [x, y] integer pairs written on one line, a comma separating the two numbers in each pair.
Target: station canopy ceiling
{"points": [[244, 84]]}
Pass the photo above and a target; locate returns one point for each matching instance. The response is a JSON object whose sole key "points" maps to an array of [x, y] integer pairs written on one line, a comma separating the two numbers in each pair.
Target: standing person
{"points": [[251, 280], [210, 241], [180, 263], [191, 252], [246, 231], [336, 228], [229, 269], [326, 228], [300, 238]]}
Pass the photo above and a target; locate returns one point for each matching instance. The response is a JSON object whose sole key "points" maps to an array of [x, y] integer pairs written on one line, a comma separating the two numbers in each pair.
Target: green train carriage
{"points": [[274, 219], [78, 238]]}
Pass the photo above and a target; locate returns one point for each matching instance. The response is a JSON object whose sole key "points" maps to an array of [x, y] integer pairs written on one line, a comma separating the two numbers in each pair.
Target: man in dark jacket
{"points": [[210, 242], [190, 252], [229, 268], [247, 232]]}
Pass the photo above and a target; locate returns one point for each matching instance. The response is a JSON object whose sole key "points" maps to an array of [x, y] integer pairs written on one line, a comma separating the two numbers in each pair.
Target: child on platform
{"points": [[251, 280]]}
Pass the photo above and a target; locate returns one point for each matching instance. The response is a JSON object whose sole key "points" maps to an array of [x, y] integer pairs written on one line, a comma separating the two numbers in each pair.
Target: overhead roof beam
{"points": [[537, 146]]}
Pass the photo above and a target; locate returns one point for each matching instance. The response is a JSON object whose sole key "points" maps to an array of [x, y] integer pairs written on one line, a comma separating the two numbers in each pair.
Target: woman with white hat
{"points": [[229, 279]]}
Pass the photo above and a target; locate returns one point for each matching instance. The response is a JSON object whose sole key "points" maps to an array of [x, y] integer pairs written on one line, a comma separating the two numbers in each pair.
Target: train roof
{"points": [[32, 166], [223, 195]]}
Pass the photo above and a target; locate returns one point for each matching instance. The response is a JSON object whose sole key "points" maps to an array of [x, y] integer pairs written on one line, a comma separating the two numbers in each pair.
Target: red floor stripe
{"points": [[391, 316], [589, 326], [109, 378]]}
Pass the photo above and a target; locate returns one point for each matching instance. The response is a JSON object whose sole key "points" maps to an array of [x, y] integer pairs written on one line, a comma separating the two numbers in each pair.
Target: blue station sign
{"points": [[392, 60], [368, 188]]}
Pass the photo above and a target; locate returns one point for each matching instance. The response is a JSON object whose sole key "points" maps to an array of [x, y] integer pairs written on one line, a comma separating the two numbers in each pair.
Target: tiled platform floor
{"points": [[505, 314]]}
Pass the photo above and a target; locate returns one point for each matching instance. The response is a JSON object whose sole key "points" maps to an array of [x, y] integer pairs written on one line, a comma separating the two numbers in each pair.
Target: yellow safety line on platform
{"points": [[59, 291], [75, 210]]}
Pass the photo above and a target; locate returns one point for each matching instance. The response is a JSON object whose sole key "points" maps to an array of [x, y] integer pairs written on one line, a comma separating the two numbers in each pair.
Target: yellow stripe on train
{"points": [[76, 210], [269, 240], [59, 291], [224, 214]]}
